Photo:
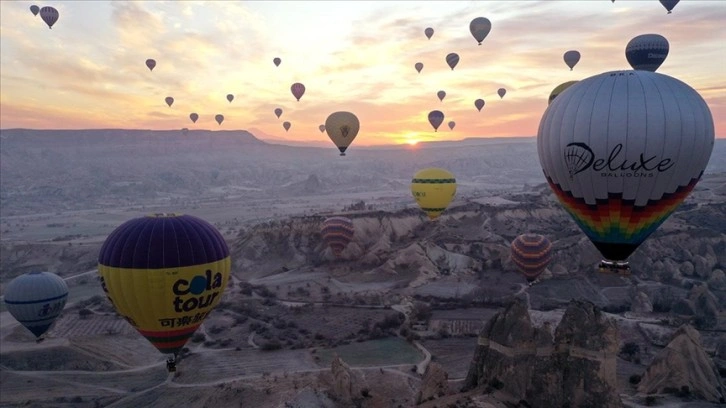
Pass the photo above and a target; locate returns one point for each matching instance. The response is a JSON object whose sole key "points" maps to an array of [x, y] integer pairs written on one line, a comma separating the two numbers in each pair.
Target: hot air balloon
{"points": [[441, 95], [621, 150], [286, 125], [531, 253], [479, 104], [480, 28], [169, 100], [150, 63], [559, 89], [278, 112], [164, 273], [452, 124], [185, 131], [36, 299], [276, 61], [337, 233], [193, 117], [342, 128], [433, 189], [669, 4], [501, 92], [219, 118], [436, 118], [49, 15], [429, 32], [647, 52], [322, 128], [230, 98], [418, 66], [34, 9], [571, 58], [298, 90], [452, 59]]}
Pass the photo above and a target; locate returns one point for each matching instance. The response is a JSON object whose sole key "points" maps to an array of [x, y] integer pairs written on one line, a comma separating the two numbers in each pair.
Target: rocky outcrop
{"points": [[434, 383], [683, 367], [575, 367], [344, 386], [641, 303]]}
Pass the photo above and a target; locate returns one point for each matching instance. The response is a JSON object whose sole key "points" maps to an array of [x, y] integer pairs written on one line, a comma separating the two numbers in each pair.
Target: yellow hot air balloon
{"points": [[559, 89], [342, 128], [433, 190]]}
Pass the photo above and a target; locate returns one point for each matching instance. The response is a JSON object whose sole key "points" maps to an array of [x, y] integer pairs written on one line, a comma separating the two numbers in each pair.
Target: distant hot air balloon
{"points": [[571, 58], [276, 61], [531, 253], [169, 100], [298, 90], [49, 15], [452, 124], [429, 32], [337, 232], [647, 52], [164, 273], [278, 112], [419, 67], [622, 159], [36, 299], [669, 4], [436, 118], [433, 189], [219, 118], [230, 98], [452, 59], [150, 63], [479, 104], [322, 128], [286, 125], [441, 95], [342, 128], [185, 131], [480, 28], [501, 92], [559, 89], [193, 117], [34, 9]]}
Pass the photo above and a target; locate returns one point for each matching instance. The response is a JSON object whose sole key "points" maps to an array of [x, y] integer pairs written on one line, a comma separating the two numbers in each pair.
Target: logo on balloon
{"points": [[196, 287], [580, 157], [652, 55], [344, 130]]}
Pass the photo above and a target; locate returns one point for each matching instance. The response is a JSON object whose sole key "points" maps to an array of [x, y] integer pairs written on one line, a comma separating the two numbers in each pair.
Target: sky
{"points": [[89, 71]]}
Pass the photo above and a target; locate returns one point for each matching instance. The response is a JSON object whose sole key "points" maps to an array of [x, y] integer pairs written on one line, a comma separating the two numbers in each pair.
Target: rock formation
{"points": [[684, 363], [641, 303], [574, 368], [343, 388], [434, 383]]}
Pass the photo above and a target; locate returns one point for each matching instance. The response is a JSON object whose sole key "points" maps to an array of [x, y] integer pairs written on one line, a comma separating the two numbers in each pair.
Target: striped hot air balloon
{"points": [[164, 273], [337, 233], [531, 253], [36, 299], [452, 60], [433, 190]]}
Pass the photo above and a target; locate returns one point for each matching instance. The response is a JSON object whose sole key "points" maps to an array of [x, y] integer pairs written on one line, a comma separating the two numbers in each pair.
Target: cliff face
{"points": [[684, 363], [575, 367]]}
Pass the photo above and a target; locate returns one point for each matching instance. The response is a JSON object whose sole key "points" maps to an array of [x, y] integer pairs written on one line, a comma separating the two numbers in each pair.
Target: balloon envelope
{"points": [[337, 233], [441, 95], [193, 117], [479, 28], [276, 61], [34, 9], [452, 59], [342, 128], [219, 118], [36, 299], [49, 15], [647, 52], [558, 90], [436, 118], [286, 125], [452, 124], [531, 253], [278, 112], [169, 100], [150, 63], [621, 150], [571, 58], [479, 104], [230, 97], [418, 66], [669, 4], [433, 189], [164, 273], [429, 32], [501, 92], [298, 90], [322, 128]]}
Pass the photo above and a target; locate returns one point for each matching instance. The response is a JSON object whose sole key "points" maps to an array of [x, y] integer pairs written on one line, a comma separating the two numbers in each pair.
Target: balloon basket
{"points": [[614, 268]]}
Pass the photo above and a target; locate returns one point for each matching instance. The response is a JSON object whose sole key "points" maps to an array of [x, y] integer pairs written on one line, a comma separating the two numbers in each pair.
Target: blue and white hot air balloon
{"points": [[36, 299], [647, 52]]}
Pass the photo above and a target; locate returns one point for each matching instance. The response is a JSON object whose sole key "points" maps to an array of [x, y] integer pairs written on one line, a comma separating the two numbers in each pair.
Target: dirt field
{"points": [[388, 351]]}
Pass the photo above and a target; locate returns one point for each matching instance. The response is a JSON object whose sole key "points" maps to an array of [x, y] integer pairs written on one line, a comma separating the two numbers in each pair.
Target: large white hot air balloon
{"points": [[36, 299], [621, 150]]}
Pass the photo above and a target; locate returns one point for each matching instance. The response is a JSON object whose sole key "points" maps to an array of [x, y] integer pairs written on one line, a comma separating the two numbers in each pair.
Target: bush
{"points": [[198, 337], [634, 379], [271, 345], [650, 400]]}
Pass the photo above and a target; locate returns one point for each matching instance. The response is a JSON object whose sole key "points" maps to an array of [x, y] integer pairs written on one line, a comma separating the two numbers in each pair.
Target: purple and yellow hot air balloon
{"points": [[337, 232], [531, 253]]}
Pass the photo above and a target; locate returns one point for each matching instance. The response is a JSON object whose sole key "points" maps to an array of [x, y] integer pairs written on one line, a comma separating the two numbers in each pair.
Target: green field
{"points": [[388, 351]]}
